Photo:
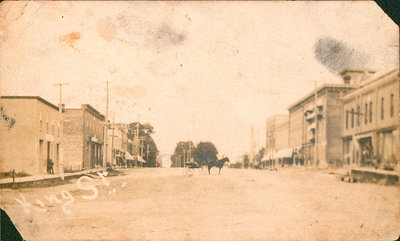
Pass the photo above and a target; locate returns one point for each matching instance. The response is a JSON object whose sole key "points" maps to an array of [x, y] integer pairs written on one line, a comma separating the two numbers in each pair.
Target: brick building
{"points": [[83, 138], [322, 124], [33, 139], [371, 122]]}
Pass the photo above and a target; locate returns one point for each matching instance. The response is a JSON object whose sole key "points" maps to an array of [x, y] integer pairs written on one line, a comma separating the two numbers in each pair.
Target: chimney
{"points": [[356, 76]]}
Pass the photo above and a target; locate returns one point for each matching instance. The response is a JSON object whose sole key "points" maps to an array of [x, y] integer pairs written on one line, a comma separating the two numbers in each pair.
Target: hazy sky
{"points": [[199, 70]]}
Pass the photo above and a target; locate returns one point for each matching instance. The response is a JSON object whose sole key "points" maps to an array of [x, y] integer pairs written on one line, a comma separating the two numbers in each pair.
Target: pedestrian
{"points": [[50, 166]]}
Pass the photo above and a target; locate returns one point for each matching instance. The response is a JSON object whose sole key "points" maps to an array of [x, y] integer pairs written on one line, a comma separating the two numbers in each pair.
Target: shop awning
{"points": [[128, 156], [284, 153], [140, 159], [267, 157]]}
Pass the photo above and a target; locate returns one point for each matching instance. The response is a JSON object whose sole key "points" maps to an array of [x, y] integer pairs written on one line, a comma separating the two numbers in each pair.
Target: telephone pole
{"points": [[316, 127], [106, 132], [61, 153]]}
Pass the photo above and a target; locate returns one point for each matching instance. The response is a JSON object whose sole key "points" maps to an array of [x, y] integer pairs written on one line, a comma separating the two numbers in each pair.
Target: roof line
{"points": [[30, 97]]}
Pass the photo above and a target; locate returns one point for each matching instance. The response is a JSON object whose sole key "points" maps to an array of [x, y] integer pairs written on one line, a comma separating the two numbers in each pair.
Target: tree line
{"points": [[186, 151]]}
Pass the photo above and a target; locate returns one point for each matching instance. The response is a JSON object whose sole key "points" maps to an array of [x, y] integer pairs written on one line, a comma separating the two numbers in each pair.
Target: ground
{"points": [[166, 204]]}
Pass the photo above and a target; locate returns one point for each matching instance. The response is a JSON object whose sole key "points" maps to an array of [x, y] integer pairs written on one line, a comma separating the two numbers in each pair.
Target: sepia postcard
{"points": [[199, 120]]}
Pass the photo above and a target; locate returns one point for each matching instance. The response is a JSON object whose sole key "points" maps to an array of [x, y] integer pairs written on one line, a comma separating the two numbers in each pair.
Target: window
{"points": [[47, 127], [347, 119], [358, 115], [41, 122], [391, 105], [352, 117], [370, 112], [366, 113], [382, 108], [52, 128]]}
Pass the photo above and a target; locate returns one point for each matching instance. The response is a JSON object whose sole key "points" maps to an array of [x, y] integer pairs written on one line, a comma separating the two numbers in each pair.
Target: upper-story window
{"points": [[370, 112], [352, 117], [391, 105], [366, 113], [382, 108]]}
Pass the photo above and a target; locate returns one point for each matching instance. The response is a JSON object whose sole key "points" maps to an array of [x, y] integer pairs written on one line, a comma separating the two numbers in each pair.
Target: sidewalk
{"points": [[47, 176]]}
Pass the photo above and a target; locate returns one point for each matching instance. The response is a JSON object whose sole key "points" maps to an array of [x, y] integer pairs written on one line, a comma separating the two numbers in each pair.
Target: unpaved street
{"points": [[165, 204]]}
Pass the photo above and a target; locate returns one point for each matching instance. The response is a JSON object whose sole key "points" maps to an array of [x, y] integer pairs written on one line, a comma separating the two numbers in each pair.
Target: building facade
{"points": [[117, 143], [315, 123], [277, 139], [370, 129], [33, 139], [83, 138]]}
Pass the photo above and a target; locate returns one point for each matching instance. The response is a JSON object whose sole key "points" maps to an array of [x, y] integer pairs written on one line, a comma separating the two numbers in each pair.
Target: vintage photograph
{"points": [[199, 120]]}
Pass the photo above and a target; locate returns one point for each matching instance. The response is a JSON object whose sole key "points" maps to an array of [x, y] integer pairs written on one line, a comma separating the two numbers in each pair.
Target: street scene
{"points": [[199, 121]]}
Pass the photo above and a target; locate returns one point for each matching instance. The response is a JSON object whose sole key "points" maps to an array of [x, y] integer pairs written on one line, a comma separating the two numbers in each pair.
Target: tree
{"points": [[204, 153], [246, 160], [260, 155], [182, 153], [150, 150]]}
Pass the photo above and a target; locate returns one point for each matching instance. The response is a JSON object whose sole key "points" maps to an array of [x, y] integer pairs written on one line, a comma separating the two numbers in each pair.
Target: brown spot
{"points": [[106, 29], [70, 38]]}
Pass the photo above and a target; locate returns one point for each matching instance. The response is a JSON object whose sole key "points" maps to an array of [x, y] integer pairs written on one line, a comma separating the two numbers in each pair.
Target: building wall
{"points": [[277, 133], [92, 137], [83, 138], [333, 122], [20, 146], [73, 139], [383, 133], [282, 135], [296, 129]]}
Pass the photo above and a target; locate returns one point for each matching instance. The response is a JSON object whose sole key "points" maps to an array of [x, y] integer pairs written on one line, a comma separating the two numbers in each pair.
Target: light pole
{"points": [[316, 127], [60, 109], [112, 70]]}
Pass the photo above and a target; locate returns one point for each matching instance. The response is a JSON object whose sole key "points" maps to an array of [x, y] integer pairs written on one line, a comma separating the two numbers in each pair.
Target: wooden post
{"points": [[13, 176]]}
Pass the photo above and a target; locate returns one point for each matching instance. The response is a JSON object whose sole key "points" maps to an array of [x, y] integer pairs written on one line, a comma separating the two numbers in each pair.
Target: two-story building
{"points": [[370, 123], [34, 136], [117, 143], [83, 138]]}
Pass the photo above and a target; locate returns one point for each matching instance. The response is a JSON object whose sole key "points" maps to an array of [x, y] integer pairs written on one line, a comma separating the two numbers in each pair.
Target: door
{"points": [[48, 155], [42, 164]]}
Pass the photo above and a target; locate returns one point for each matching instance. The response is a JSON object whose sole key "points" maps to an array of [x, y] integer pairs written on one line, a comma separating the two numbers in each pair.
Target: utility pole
{"points": [[184, 158], [316, 127], [60, 109], [106, 132]]}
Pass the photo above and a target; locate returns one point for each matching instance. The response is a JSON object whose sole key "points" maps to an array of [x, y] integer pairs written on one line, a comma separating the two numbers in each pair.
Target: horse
{"points": [[217, 163]]}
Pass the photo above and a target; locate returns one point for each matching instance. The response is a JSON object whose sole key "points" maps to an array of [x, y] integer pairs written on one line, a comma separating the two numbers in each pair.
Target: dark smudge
{"points": [[337, 55]]}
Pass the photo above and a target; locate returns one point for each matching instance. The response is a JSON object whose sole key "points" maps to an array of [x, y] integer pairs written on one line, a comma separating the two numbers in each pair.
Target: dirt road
{"points": [[164, 204]]}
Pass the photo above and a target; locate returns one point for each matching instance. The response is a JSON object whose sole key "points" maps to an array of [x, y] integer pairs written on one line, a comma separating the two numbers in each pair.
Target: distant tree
{"points": [[205, 152], [182, 153], [236, 165], [150, 150], [260, 155], [246, 160]]}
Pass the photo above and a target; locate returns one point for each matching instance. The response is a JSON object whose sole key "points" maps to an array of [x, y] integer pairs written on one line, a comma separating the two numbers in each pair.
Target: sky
{"points": [[201, 71]]}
